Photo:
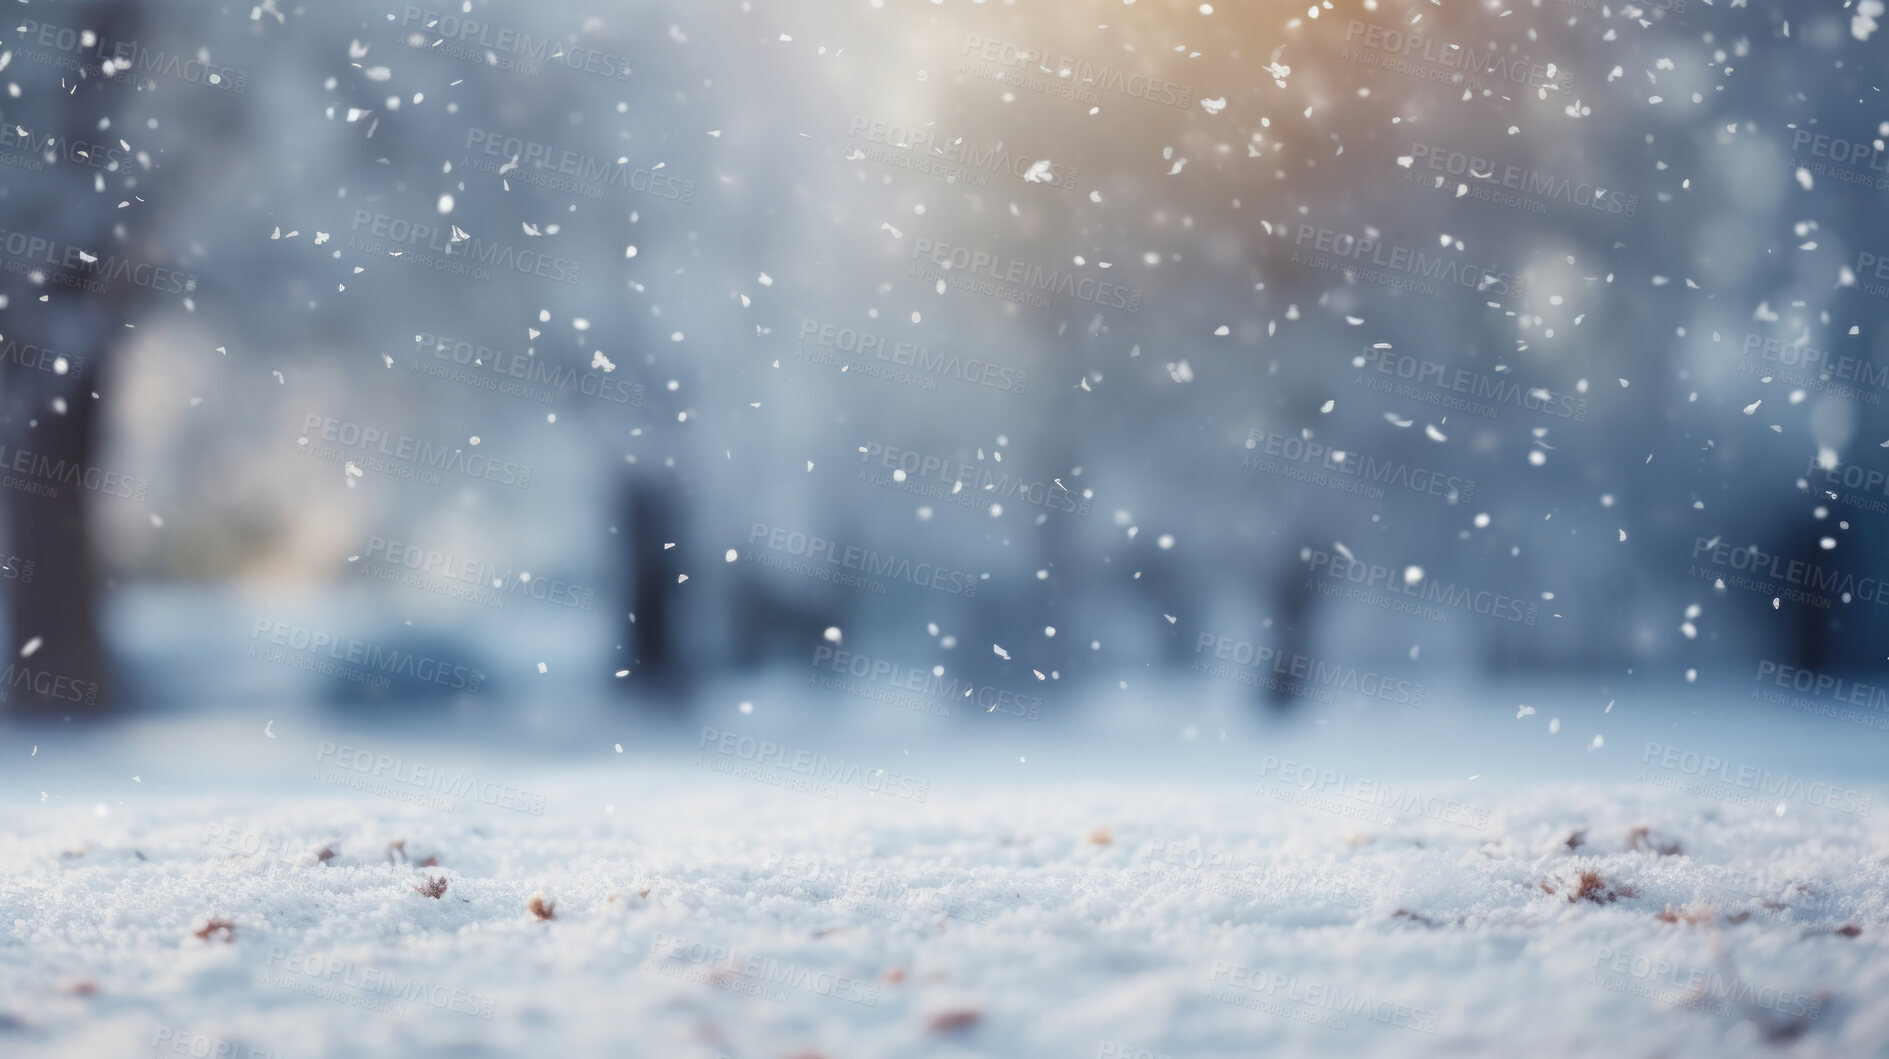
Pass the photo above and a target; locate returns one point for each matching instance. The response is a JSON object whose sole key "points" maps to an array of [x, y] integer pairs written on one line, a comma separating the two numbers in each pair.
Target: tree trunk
{"points": [[45, 468], [651, 517], [49, 421]]}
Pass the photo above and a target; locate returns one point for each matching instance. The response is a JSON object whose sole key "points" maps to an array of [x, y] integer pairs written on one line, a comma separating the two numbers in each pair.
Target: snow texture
{"points": [[711, 916]]}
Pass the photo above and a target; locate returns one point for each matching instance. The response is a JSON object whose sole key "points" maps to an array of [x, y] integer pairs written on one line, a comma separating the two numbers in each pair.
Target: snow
{"points": [[1061, 917]]}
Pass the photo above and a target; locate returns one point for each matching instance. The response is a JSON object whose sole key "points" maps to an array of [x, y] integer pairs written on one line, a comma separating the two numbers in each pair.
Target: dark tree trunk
{"points": [[1292, 627], [59, 606], [651, 517], [49, 421]]}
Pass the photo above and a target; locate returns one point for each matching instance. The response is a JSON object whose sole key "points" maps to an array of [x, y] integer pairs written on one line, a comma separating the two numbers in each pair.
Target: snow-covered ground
{"points": [[1278, 899]]}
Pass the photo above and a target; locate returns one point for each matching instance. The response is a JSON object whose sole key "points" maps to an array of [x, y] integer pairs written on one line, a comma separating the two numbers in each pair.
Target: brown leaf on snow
{"points": [[542, 908], [956, 1021], [1590, 888], [1640, 838], [213, 926], [1593, 889], [1100, 836], [434, 888]]}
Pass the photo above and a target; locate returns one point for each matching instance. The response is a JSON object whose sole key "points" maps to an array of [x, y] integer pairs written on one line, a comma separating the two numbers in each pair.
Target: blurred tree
{"points": [[50, 421]]}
